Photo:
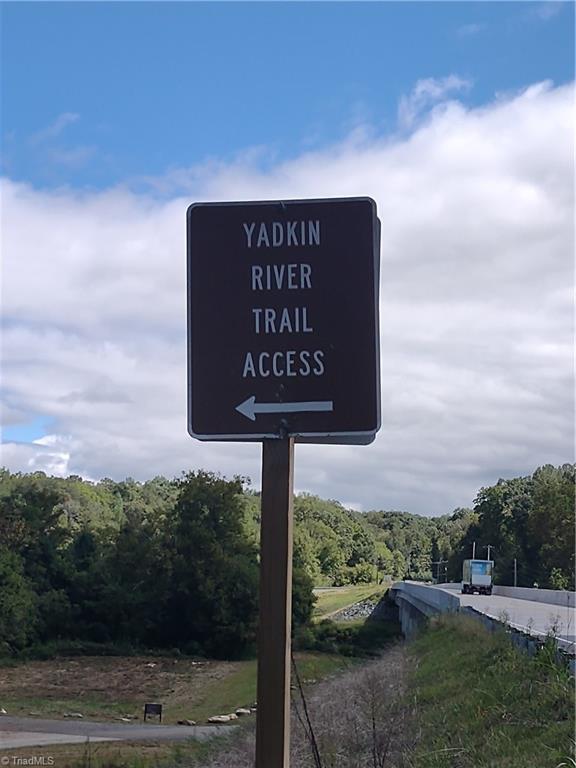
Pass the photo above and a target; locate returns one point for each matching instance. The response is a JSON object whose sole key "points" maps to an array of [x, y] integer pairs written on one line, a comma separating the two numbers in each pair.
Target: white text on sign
{"points": [[286, 320], [277, 233]]}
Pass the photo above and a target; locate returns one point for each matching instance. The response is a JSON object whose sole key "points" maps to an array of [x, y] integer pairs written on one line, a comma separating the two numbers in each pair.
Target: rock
{"points": [[252, 709], [124, 719], [243, 711], [73, 714], [34, 714], [233, 716], [150, 665], [3, 711], [219, 719], [186, 722], [359, 610]]}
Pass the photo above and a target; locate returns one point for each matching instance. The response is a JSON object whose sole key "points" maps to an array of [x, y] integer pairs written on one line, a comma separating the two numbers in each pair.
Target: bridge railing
{"points": [[550, 596], [438, 598]]}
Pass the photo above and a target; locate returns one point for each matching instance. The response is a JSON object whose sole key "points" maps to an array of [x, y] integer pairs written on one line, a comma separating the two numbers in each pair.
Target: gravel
{"points": [[354, 612]]}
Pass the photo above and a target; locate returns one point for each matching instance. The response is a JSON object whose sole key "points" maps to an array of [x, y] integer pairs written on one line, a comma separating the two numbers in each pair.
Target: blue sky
{"points": [[456, 117], [96, 94]]}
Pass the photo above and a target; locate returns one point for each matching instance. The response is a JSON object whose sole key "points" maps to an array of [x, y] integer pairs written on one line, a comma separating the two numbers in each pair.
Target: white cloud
{"points": [[471, 30], [55, 128], [73, 158], [476, 303], [48, 455], [548, 9], [50, 150], [426, 93]]}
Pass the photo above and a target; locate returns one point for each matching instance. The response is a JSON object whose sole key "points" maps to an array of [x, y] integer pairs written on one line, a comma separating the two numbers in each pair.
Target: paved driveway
{"points": [[31, 731]]}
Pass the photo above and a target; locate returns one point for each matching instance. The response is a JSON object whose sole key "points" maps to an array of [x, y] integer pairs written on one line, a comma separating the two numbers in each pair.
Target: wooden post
{"points": [[273, 713]]}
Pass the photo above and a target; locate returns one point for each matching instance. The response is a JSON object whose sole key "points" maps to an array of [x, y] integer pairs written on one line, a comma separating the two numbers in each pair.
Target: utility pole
{"points": [[489, 547], [473, 550], [515, 572]]}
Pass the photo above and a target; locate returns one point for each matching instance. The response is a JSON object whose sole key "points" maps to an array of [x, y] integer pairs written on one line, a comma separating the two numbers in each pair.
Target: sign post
{"points": [[283, 347], [275, 611]]}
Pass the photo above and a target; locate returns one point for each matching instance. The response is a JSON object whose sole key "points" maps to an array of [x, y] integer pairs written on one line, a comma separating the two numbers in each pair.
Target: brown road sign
{"points": [[283, 320]]}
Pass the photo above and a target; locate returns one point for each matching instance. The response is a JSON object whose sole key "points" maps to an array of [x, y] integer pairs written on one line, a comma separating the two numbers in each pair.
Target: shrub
{"points": [[365, 639]]}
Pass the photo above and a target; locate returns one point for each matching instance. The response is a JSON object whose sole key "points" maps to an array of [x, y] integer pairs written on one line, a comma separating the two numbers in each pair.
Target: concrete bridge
{"points": [[530, 614]]}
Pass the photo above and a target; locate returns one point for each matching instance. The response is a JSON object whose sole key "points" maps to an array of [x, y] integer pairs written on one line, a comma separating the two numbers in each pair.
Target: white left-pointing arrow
{"points": [[250, 407]]}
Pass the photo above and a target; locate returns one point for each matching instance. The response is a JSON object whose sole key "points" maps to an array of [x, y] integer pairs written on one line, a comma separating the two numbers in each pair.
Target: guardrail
{"points": [[444, 598], [529, 642], [437, 598], [549, 596], [561, 597]]}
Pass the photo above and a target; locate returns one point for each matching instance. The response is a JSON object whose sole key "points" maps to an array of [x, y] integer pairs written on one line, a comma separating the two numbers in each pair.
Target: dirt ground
{"points": [[92, 683]]}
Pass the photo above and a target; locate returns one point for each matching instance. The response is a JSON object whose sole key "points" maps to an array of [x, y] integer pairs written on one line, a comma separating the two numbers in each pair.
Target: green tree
{"points": [[212, 605], [527, 519], [303, 597], [551, 525], [18, 614]]}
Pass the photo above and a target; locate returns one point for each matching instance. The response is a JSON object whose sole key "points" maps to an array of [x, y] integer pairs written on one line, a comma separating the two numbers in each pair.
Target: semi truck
{"points": [[477, 577]]}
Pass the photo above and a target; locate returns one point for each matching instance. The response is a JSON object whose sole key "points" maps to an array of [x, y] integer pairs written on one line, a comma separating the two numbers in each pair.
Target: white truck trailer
{"points": [[477, 577]]}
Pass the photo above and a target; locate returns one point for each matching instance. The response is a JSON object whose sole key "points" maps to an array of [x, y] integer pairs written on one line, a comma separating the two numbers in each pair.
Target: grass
{"points": [[359, 638], [333, 599], [473, 701], [220, 695], [104, 754], [238, 689], [479, 703], [106, 688], [91, 707]]}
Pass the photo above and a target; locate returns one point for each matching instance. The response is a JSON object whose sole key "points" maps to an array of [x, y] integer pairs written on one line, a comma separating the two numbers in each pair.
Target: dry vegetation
{"points": [[456, 697], [107, 687], [357, 718]]}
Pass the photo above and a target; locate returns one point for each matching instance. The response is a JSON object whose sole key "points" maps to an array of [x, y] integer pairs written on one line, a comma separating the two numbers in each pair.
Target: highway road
{"points": [[532, 617], [18, 732]]}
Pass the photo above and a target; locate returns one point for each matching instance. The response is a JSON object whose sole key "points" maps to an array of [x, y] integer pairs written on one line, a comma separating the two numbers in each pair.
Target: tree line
{"points": [[164, 564], [173, 564], [527, 520]]}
